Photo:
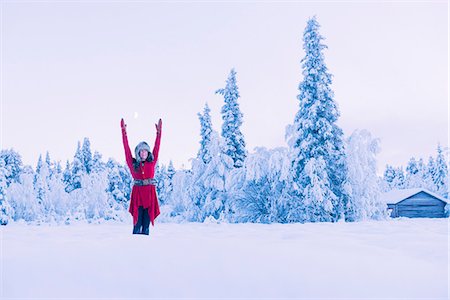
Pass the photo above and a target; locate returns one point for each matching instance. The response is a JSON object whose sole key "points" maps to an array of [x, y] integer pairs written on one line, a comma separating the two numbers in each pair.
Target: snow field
{"points": [[404, 258]]}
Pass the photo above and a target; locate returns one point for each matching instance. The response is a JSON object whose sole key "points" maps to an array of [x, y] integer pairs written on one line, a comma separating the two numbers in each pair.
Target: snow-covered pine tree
{"points": [[170, 173], [127, 180], [86, 155], [319, 168], [393, 178], [67, 177], [440, 174], [181, 205], [388, 178], [77, 170], [205, 133], [429, 174], [57, 197], [414, 174], [50, 164], [41, 188], [22, 197], [208, 191], [58, 168], [232, 121], [197, 190], [97, 165], [258, 192], [5, 208], [13, 164], [161, 176], [365, 202], [116, 187]]}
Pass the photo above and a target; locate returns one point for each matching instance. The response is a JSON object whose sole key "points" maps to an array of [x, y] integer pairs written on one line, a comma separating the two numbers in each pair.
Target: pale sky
{"points": [[72, 69]]}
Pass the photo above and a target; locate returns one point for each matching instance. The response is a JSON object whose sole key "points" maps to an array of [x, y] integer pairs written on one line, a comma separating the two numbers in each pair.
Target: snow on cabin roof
{"points": [[397, 195]]}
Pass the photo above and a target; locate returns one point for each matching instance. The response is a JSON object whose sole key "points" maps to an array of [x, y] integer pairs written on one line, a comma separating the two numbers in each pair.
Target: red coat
{"points": [[143, 195]]}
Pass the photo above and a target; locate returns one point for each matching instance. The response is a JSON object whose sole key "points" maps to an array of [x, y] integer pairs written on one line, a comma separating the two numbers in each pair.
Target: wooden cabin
{"points": [[415, 203]]}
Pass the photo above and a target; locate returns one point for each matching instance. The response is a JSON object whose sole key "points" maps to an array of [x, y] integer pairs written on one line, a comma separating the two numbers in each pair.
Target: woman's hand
{"points": [[158, 126], [123, 125]]}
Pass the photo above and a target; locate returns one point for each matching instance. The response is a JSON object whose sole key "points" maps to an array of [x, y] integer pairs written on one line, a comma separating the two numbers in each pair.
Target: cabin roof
{"points": [[397, 195]]}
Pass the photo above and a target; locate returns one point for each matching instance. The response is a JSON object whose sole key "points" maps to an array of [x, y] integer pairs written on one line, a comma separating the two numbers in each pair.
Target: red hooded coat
{"points": [[143, 195]]}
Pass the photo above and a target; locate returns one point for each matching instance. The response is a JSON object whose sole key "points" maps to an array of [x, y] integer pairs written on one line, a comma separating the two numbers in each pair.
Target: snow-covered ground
{"points": [[405, 258]]}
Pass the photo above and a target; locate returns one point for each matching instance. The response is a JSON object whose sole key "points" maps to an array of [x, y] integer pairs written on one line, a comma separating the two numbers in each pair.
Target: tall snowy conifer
{"points": [[86, 155], [232, 121], [41, 187], [49, 163], [97, 165], [209, 181], [205, 133], [394, 178], [13, 164], [77, 169], [440, 173], [414, 174], [318, 165], [116, 186], [67, 177], [5, 208]]}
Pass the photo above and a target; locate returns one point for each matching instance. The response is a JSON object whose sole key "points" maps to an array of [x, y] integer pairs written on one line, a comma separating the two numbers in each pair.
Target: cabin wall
{"points": [[421, 205]]}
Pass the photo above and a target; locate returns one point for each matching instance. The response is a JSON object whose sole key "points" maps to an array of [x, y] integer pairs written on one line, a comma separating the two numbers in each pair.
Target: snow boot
{"points": [[137, 229], [145, 230], [145, 222]]}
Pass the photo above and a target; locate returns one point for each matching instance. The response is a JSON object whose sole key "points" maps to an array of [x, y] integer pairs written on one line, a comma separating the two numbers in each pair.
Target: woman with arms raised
{"points": [[144, 206]]}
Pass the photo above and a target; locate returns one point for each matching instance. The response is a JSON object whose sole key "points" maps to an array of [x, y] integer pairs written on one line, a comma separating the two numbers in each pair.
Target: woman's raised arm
{"points": [[157, 140], [128, 156]]}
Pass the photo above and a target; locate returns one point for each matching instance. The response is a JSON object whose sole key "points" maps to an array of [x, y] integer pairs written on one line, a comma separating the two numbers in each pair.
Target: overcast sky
{"points": [[72, 69]]}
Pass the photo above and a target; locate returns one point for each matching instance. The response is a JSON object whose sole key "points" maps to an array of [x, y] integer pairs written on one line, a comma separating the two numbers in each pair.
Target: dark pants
{"points": [[143, 223]]}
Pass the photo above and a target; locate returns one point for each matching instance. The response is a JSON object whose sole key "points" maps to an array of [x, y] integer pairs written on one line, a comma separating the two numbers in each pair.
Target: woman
{"points": [[144, 205]]}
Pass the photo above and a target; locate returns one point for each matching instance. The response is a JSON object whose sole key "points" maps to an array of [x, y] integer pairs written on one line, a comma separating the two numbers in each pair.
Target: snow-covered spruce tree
{"points": [[58, 168], [41, 188], [319, 168], [127, 180], [50, 191], [440, 174], [51, 165], [13, 164], [393, 178], [67, 177], [258, 187], [415, 174], [116, 186], [91, 199], [365, 202], [232, 121], [5, 208], [196, 190], [97, 165], [57, 198], [170, 173], [77, 170], [22, 197], [162, 183], [180, 203], [86, 155], [205, 133], [429, 174], [209, 182]]}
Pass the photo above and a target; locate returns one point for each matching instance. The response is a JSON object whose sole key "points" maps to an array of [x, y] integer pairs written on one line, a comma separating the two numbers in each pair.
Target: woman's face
{"points": [[143, 154]]}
